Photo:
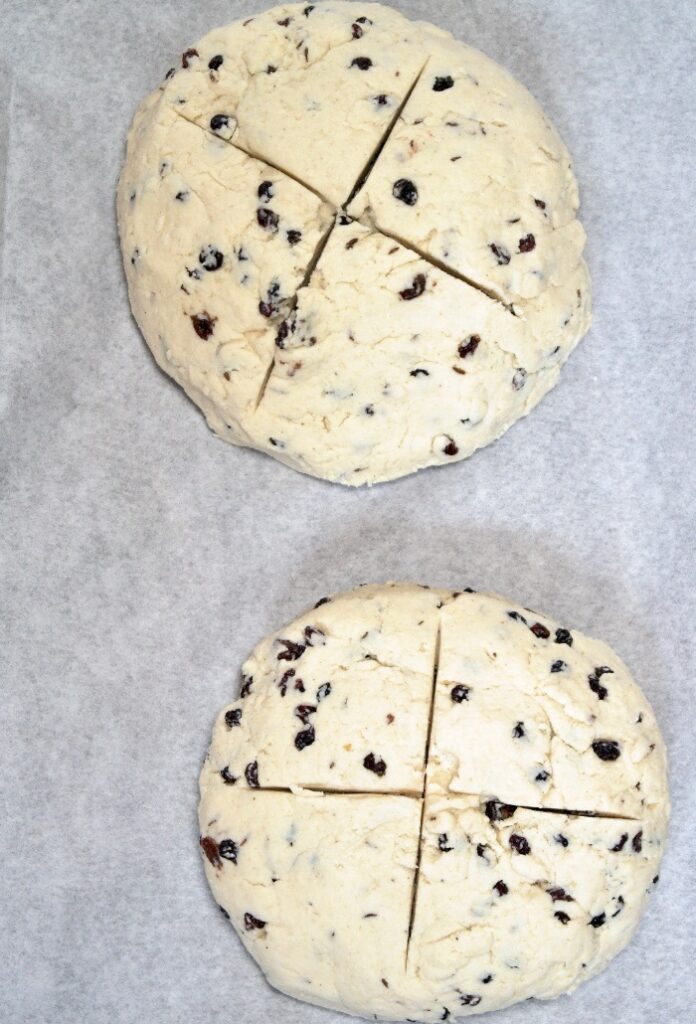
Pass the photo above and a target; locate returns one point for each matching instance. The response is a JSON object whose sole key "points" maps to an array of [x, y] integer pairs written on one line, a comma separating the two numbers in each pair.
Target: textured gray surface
{"points": [[141, 558]]}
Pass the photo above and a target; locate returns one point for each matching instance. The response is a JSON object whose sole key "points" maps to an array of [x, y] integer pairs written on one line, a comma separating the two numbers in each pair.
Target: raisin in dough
{"points": [[459, 196], [425, 805]]}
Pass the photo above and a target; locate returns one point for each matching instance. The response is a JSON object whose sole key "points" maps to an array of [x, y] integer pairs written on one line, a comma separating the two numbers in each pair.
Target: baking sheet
{"points": [[141, 558]]}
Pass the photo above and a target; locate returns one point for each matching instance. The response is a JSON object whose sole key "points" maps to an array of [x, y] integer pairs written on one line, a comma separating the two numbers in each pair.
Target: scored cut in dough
{"points": [[438, 352], [471, 179], [432, 875], [286, 73], [499, 204], [506, 908], [314, 884]]}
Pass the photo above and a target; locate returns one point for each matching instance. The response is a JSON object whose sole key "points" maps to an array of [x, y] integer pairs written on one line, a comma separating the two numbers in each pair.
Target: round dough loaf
{"points": [[352, 240], [425, 805]]}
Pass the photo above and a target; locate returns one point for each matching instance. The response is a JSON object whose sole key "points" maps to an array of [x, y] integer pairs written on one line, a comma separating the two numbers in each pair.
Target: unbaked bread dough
{"points": [[352, 240], [424, 805]]}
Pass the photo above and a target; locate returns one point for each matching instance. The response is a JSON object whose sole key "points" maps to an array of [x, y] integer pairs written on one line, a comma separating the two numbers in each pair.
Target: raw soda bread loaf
{"points": [[352, 240], [425, 805]]}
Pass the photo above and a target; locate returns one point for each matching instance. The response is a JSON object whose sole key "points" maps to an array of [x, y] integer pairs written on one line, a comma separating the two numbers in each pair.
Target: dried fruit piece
{"points": [[500, 252], [497, 811], [596, 687], [375, 764], [443, 82], [268, 219], [305, 738], [314, 637], [303, 711], [606, 750], [405, 191], [538, 629], [292, 651], [468, 347], [416, 289], [519, 379], [459, 693], [517, 617], [520, 844], [218, 122], [203, 324], [559, 895], [210, 849], [210, 257], [285, 681], [228, 849]]}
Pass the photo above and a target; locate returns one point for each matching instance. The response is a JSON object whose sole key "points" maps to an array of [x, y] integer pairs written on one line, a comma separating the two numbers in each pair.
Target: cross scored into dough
{"points": [[352, 240], [425, 805]]}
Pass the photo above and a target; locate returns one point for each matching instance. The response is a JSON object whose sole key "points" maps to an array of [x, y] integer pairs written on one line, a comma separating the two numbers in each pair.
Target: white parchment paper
{"points": [[141, 558]]}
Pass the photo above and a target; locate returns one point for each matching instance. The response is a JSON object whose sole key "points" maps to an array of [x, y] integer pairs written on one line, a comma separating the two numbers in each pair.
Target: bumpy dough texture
{"points": [[425, 805], [358, 313]]}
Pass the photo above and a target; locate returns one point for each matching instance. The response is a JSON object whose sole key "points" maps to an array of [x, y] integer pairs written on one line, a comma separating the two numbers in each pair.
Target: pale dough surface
{"points": [[540, 698], [391, 712], [449, 316], [448, 370], [358, 673], [500, 204], [205, 275]]}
